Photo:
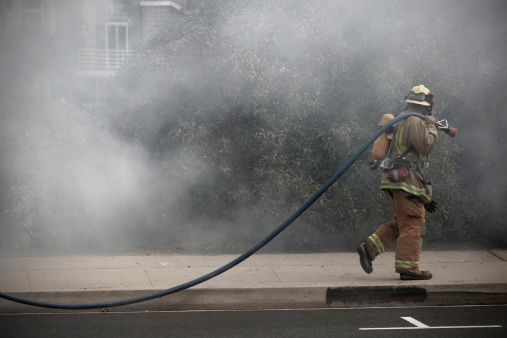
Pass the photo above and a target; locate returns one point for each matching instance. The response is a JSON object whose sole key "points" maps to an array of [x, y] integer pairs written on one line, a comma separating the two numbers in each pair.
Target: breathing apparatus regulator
{"points": [[381, 149]]}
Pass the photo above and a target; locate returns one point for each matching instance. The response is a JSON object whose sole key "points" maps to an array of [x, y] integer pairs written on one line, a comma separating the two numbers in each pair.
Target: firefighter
{"points": [[408, 193]]}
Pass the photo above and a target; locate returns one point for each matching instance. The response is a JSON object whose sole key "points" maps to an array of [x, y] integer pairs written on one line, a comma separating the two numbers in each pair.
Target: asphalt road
{"points": [[468, 321]]}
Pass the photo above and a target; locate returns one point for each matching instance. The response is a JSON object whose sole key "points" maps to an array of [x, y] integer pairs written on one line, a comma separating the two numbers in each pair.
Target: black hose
{"points": [[234, 262]]}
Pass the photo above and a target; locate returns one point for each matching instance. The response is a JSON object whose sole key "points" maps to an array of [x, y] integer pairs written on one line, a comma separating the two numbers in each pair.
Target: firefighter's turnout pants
{"points": [[407, 228]]}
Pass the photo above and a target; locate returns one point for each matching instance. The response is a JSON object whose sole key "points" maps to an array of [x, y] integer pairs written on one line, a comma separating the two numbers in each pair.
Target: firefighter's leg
{"points": [[410, 221], [387, 233]]}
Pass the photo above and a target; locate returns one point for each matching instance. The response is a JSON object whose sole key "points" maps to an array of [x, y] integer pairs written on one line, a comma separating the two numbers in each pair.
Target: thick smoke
{"points": [[67, 177]]}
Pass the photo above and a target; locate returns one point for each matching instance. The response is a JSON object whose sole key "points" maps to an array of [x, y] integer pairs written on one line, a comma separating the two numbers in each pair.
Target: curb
{"points": [[272, 298]]}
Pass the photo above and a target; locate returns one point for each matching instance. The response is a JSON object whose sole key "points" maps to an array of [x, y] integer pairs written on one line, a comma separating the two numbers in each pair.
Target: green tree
{"points": [[247, 107], [263, 102]]}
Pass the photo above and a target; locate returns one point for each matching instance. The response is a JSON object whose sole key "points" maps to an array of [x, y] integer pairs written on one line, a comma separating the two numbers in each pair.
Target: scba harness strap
{"points": [[396, 174], [399, 162], [398, 169]]}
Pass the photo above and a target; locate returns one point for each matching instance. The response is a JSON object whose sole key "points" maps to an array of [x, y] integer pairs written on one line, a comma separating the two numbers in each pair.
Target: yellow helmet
{"points": [[420, 95]]}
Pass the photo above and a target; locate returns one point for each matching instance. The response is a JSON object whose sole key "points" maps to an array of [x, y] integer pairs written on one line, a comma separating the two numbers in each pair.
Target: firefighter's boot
{"points": [[421, 275], [365, 257]]}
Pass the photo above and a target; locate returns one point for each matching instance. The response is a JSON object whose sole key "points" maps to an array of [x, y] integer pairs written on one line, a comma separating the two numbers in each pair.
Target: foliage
{"points": [[246, 108], [269, 102]]}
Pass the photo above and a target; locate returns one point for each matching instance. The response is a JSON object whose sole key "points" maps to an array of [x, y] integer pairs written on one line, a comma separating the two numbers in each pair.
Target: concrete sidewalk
{"points": [[262, 281]]}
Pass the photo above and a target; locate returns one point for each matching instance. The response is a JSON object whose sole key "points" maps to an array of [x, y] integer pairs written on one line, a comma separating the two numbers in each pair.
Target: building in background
{"points": [[44, 42], [156, 14]]}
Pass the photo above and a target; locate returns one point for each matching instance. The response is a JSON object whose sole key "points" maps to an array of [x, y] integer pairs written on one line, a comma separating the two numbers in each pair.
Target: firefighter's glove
{"points": [[431, 206], [429, 120]]}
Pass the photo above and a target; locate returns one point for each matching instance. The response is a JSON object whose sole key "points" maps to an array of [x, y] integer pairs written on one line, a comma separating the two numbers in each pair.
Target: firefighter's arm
{"points": [[423, 134]]}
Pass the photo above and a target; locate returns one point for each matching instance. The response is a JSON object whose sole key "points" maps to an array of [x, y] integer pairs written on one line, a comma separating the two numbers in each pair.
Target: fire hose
{"points": [[441, 125]]}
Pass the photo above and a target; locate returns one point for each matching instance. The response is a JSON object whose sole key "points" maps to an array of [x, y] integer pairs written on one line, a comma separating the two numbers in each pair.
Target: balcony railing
{"points": [[101, 60]]}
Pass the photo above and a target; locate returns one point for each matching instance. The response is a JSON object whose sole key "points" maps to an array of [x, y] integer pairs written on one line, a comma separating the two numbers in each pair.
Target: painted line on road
{"points": [[415, 322], [422, 326]]}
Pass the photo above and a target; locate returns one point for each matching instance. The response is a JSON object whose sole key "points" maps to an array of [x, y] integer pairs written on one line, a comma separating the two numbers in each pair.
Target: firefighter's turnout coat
{"points": [[412, 133]]}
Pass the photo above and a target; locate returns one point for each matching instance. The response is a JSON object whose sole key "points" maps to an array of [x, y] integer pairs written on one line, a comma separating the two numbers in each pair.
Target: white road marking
{"points": [[426, 328], [415, 322], [422, 326]]}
